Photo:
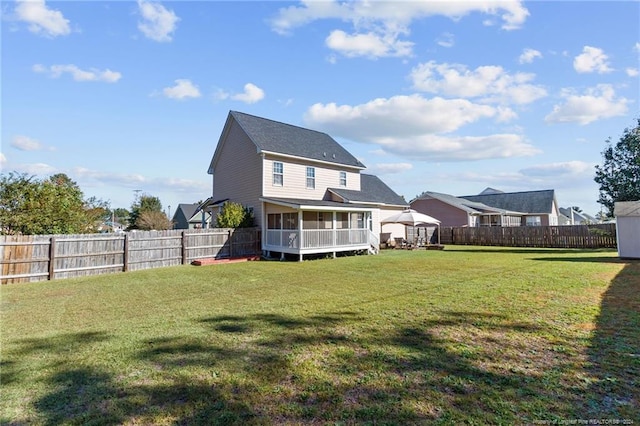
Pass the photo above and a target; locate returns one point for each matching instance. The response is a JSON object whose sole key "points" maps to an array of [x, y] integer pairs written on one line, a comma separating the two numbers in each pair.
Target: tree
{"points": [[52, 206], [153, 219], [234, 215], [619, 175], [146, 203]]}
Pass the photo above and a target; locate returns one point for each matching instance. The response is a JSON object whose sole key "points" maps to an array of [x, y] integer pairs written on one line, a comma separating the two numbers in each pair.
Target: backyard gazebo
{"points": [[413, 218]]}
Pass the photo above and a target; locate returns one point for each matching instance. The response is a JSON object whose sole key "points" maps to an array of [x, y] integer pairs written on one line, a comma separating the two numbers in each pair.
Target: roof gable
{"points": [[286, 139], [471, 207], [372, 190], [187, 210]]}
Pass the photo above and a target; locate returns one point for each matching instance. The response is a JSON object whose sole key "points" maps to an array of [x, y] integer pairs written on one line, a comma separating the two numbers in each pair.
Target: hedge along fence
{"points": [[568, 236], [27, 258]]}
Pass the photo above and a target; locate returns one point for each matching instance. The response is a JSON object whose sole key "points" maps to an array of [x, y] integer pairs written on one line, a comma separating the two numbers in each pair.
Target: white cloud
{"points": [[367, 13], [25, 143], [411, 126], [36, 169], [41, 19], [369, 44], [592, 59], [389, 168], [125, 180], [632, 72], [528, 55], [157, 23], [138, 180], [251, 94], [438, 148], [378, 25], [446, 40], [182, 90], [595, 104], [636, 47], [93, 74], [3, 160], [489, 83], [568, 169]]}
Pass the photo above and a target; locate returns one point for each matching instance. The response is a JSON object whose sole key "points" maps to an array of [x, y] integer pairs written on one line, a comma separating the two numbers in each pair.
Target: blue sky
{"points": [[451, 97]]}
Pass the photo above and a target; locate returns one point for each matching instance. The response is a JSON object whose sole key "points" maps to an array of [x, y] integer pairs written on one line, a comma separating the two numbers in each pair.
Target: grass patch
{"points": [[469, 334]]}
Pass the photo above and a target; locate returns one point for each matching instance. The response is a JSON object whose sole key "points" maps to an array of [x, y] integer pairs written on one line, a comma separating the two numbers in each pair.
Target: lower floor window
{"points": [[534, 221]]}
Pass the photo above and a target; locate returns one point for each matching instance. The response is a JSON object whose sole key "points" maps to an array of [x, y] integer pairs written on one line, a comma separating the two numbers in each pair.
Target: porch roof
{"points": [[324, 205]]}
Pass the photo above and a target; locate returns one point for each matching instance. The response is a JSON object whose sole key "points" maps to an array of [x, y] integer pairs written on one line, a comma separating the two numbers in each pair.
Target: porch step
{"points": [[214, 261]]}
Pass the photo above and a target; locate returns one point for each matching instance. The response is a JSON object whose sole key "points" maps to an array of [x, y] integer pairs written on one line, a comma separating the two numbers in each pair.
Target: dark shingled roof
{"points": [[273, 136], [372, 190], [462, 203], [314, 203], [528, 201]]}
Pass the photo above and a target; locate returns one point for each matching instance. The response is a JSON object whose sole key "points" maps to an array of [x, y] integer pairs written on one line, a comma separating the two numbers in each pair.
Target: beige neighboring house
{"points": [[307, 193]]}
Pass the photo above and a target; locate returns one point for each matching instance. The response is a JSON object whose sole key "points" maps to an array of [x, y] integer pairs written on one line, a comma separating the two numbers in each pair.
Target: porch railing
{"points": [[317, 238]]}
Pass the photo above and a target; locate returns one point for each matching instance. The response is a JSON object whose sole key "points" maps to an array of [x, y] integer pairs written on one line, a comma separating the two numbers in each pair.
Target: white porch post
{"points": [[263, 228], [334, 230], [301, 245]]}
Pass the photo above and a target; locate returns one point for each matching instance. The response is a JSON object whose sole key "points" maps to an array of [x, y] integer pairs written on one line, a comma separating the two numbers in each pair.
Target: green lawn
{"points": [[466, 335]]}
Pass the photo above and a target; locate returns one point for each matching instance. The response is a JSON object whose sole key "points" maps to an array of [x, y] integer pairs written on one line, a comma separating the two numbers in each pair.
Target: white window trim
{"points": [[311, 179], [343, 179], [275, 173]]}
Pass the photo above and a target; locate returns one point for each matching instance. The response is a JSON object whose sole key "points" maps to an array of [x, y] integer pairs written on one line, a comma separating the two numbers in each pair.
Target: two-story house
{"points": [[306, 192]]}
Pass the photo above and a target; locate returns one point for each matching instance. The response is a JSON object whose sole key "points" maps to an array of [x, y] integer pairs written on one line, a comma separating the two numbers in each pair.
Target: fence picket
{"points": [[568, 236], [44, 257]]}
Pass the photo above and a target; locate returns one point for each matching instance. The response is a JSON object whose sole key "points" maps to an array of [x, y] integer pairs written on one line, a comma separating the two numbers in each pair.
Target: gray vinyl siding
{"points": [[238, 173]]}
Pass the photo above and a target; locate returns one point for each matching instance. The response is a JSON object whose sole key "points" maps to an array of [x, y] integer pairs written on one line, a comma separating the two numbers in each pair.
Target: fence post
{"points": [[125, 253], [184, 248], [230, 239], [52, 257]]}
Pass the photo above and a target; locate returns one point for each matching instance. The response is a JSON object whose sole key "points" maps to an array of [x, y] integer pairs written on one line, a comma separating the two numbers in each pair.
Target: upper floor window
{"points": [[278, 172], [311, 177], [343, 178]]}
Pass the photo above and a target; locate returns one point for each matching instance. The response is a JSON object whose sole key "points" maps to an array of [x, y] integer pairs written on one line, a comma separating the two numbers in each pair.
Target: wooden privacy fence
{"points": [[569, 236], [27, 258]]}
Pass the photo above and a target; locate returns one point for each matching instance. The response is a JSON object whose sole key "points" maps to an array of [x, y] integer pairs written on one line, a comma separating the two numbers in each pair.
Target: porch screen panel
{"points": [[342, 220], [274, 221], [310, 220], [289, 220], [357, 220]]}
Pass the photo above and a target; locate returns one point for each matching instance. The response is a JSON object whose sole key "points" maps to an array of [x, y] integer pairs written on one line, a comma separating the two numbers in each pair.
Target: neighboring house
{"points": [[306, 192], [187, 216], [491, 208], [571, 217]]}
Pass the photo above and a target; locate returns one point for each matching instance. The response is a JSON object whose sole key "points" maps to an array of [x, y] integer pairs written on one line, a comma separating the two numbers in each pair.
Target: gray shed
{"points": [[627, 215]]}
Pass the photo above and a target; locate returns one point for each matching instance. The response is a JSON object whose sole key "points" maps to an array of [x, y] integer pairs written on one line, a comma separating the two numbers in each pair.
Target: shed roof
{"points": [[281, 138], [626, 208]]}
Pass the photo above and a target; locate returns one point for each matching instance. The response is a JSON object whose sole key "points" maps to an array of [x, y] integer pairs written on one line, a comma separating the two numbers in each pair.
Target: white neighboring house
{"points": [[569, 216], [307, 193]]}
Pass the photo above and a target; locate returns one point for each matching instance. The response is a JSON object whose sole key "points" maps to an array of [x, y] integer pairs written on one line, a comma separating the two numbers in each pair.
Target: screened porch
{"points": [[317, 231]]}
